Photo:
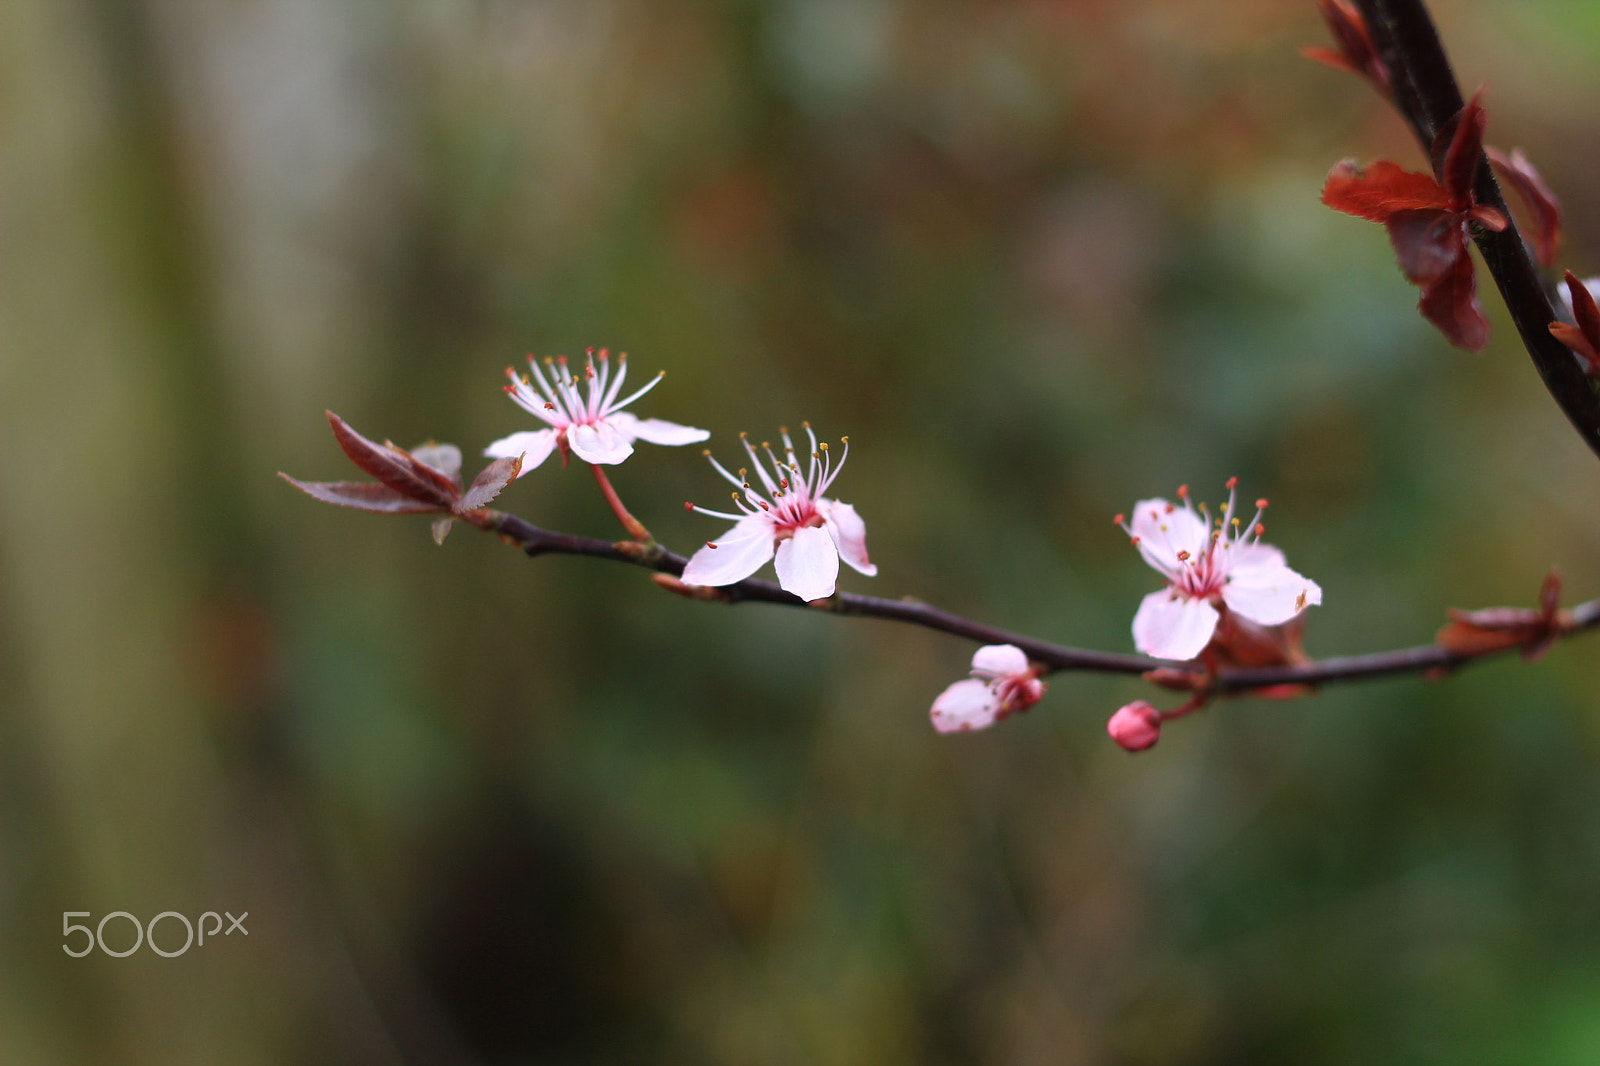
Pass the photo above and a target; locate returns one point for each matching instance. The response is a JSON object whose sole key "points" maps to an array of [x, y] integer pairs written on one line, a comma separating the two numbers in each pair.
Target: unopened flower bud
{"points": [[1136, 726]]}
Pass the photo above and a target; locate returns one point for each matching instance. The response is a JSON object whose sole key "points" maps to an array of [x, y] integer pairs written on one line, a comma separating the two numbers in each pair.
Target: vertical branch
{"points": [[1429, 97]]}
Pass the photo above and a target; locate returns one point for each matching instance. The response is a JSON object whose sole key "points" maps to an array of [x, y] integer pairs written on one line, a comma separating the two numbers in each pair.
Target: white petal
{"points": [[1269, 595], [808, 564], [534, 445], [1252, 556], [1171, 627], [999, 660], [660, 431], [599, 442], [964, 706], [738, 554], [1164, 531], [849, 534]]}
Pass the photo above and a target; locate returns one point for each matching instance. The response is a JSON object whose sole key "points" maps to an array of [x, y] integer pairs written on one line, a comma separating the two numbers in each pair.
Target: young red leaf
{"points": [[1377, 191], [362, 495], [1517, 172], [395, 467], [1498, 628], [1451, 304], [487, 485], [1355, 52], [445, 458], [1458, 148], [1584, 338], [1427, 243]]}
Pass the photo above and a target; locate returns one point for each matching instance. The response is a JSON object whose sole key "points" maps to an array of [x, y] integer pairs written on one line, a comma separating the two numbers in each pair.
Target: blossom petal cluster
{"points": [[787, 519], [590, 423], [1429, 222], [1208, 568], [1003, 682]]}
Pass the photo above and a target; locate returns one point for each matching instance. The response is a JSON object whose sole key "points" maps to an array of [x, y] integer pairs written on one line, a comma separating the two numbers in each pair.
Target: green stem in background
{"points": [[1428, 96]]}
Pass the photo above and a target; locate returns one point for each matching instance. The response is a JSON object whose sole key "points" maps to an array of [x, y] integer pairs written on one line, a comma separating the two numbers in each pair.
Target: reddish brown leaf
{"points": [[1428, 243], [395, 467], [1490, 218], [1584, 310], [362, 495], [1328, 57], [1498, 628], [1376, 192], [1451, 303], [1517, 172], [445, 458], [1355, 50], [1463, 637], [1458, 157], [487, 485], [1573, 338], [1584, 338]]}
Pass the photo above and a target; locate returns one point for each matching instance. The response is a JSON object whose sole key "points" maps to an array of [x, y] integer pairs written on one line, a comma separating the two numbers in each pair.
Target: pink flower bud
{"points": [[1136, 726]]}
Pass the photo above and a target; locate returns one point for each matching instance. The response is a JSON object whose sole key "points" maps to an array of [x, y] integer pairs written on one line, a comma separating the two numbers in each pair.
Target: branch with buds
{"points": [[1230, 606], [1229, 616]]}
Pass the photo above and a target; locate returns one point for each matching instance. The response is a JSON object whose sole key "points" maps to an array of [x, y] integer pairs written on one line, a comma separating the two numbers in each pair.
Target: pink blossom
{"points": [[1136, 726], [593, 426], [1209, 567], [807, 532], [1002, 683]]}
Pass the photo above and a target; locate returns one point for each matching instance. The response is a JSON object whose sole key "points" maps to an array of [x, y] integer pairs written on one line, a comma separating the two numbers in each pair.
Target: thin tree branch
{"points": [[1432, 659], [1428, 96]]}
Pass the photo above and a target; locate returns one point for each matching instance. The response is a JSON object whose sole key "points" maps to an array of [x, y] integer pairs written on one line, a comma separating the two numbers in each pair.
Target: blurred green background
{"points": [[1037, 260]]}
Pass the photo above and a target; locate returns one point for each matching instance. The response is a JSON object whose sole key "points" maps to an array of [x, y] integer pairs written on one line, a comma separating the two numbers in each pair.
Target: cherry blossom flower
{"points": [[1136, 726], [1208, 569], [792, 520], [1002, 683], [593, 426]]}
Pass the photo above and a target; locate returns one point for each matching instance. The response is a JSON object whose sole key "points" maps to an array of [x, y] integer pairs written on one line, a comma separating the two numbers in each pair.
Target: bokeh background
{"points": [[1037, 260]]}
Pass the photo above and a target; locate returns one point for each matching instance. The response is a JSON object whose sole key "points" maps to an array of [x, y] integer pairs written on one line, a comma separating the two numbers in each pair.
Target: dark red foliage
{"points": [[1494, 629], [1519, 174], [1584, 338], [1353, 49], [426, 480], [1429, 222]]}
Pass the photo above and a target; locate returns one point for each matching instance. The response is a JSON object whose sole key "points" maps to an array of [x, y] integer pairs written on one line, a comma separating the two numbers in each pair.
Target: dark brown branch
{"points": [[1426, 659], [1428, 96]]}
